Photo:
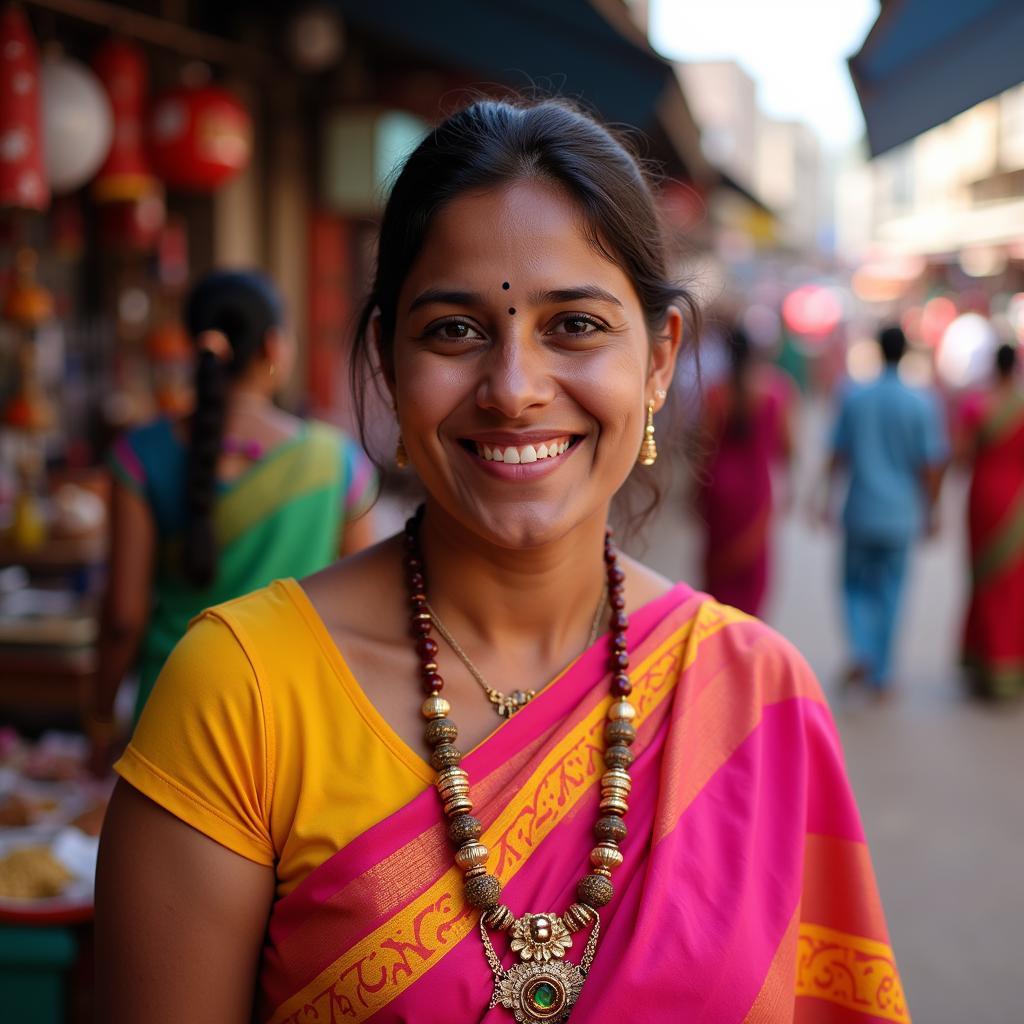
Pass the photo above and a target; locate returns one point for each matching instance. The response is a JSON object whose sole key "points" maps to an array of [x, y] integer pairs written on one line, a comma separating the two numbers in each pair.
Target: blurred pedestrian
{"points": [[991, 442], [891, 441], [746, 427], [215, 504]]}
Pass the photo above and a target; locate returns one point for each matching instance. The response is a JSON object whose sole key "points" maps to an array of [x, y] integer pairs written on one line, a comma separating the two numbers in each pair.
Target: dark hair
{"points": [[243, 306], [739, 352], [1006, 360], [498, 142], [893, 343]]}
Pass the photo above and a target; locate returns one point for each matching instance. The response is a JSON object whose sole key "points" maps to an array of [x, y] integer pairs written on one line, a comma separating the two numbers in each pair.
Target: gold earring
{"points": [[648, 448], [401, 455]]}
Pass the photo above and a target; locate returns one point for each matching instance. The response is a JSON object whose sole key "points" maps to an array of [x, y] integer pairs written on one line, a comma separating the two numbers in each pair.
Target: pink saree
{"points": [[746, 895]]}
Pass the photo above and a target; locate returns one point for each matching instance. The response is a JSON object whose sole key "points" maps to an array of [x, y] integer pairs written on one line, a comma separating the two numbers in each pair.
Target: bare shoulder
{"points": [[362, 595], [643, 584]]}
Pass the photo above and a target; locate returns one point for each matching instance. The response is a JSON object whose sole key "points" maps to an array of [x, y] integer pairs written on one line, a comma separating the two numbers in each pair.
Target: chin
{"points": [[519, 525]]}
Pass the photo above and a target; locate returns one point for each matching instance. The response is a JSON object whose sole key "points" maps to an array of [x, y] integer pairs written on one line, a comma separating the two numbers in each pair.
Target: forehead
{"points": [[527, 233]]}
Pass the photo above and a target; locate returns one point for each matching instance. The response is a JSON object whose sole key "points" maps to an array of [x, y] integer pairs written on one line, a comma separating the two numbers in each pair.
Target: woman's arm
{"points": [[180, 920], [125, 612]]}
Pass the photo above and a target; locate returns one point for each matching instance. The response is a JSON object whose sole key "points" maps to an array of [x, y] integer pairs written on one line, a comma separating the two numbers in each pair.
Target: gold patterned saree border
{"points": [[381, 966], [851, 971]]}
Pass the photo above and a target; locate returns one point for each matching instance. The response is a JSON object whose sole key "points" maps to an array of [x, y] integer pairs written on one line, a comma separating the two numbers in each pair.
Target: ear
{"points": [[279, 350], [387, 368], [664, 353]]}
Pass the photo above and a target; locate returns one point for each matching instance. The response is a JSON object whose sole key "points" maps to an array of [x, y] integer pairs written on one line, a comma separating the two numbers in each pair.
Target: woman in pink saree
{"points": [[296, 837], [746, 426]]}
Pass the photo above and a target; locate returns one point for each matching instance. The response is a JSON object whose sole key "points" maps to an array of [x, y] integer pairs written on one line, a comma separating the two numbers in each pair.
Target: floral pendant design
{"points": [[544, 986]]}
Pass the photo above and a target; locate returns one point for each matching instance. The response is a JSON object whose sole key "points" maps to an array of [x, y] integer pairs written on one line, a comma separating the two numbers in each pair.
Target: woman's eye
{"points": [[452, 330], [578, 326]]}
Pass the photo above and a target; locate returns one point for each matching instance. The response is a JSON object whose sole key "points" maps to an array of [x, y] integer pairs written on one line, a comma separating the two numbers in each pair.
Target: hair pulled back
{"points": [[1006, 361], [491, 143], [243, 306]]}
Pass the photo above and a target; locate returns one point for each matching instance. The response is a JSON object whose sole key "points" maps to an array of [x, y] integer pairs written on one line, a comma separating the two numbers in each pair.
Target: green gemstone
{"points": [[543, 995]]}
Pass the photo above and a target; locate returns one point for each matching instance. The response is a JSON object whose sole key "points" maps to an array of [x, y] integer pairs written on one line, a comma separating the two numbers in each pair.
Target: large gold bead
{"points": [[445, 755], [484, 892], [465, 827], [435, 707], [441, 730], [610, 827], [621, 711], [618, 757], [619, 733], [471, 855], [606, 855], [594, 890]]}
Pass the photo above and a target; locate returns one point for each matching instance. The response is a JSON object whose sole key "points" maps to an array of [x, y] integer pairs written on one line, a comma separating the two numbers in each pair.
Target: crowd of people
{"points": [[890, 447]]}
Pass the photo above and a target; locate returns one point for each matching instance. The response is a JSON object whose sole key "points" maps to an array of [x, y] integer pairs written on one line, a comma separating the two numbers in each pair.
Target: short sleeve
{"points": [[202, 749], [360, 480], [126, 466]]}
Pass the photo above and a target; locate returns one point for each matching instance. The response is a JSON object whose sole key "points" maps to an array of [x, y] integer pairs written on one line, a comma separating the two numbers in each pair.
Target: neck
{"points": [[243, 398], [543, 596]]}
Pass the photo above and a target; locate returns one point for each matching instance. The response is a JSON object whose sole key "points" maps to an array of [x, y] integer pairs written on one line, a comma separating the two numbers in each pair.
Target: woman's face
{"points": [[522, 366]]}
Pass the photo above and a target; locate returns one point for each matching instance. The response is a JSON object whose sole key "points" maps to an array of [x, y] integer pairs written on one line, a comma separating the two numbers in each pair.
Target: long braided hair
{"points": [[241, 306]]}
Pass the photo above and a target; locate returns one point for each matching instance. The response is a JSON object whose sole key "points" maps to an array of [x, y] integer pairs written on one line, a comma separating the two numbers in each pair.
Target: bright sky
{"points": [[795, 50]]}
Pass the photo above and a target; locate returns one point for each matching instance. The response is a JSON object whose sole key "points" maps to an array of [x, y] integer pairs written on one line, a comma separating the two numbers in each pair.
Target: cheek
{"points": [[428, 389], [611, 389]]}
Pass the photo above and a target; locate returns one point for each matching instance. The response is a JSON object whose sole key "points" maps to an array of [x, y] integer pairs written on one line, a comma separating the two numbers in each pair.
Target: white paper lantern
{"points": [[78, 124]]}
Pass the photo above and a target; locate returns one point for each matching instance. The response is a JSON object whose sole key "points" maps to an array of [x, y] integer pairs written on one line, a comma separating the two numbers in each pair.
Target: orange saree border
{"points": [[850, 971], [371, 973]]}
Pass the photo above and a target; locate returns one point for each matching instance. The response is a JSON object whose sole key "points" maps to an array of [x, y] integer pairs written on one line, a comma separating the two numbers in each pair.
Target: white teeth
{"points": [[528, 453]]}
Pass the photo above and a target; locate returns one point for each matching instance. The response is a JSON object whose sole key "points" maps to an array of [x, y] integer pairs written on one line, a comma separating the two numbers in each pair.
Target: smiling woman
{"points": [[656, 823]]}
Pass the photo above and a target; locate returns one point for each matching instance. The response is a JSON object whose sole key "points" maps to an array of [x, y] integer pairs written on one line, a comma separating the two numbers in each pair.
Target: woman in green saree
{"points": [[214, 505]]}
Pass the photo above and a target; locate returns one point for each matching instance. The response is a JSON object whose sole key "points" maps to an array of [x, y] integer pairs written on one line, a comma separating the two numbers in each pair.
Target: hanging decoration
{"points": [[78, 124], [200, 137], [22, 177], [126, 174]]}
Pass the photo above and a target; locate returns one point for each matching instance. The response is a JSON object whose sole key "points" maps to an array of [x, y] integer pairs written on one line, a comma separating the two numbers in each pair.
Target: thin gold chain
{"points": [[507, 704]]}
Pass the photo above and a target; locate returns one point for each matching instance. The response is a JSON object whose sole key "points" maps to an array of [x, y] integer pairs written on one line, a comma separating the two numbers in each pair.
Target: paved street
{"points": [[939, 779]]}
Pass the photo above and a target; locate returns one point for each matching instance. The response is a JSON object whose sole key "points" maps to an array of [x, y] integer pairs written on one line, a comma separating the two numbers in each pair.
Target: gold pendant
{"points": [[543, 988]]}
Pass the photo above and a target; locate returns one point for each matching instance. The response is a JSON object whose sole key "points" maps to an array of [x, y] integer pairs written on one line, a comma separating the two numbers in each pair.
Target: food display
{"points": [[51, 812]]}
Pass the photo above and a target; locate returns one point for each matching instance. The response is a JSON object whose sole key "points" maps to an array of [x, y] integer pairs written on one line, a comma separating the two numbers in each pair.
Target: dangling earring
{"points": [[401, 455], [648, 448]]}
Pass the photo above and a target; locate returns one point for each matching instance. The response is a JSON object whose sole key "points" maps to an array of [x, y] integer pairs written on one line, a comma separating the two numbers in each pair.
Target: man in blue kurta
{"points": [[891, 440]]}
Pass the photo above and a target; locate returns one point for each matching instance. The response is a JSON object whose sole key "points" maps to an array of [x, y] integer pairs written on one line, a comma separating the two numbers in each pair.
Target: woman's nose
{"points": [[516, 377]]}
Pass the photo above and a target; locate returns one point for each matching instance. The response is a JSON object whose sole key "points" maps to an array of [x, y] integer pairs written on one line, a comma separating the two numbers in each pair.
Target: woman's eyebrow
{"points": [[583, 291], [443, 297]]}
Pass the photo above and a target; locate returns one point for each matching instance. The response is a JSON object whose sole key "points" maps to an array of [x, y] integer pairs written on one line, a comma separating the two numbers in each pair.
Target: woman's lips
{"points": [[526, 459]]}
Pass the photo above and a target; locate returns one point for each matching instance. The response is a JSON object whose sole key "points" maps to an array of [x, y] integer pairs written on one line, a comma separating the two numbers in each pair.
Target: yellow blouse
{"points": [[258, 736]]}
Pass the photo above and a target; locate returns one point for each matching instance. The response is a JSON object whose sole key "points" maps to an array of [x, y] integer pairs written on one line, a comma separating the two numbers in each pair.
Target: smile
{"points": [[520, 454]]}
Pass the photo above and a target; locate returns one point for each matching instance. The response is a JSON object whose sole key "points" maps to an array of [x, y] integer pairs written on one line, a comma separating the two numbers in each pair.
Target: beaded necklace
{"points": [[543, 985]]}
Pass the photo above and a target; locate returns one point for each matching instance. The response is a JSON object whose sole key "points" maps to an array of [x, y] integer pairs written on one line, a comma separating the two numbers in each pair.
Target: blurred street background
{"points": [[826, 169]]}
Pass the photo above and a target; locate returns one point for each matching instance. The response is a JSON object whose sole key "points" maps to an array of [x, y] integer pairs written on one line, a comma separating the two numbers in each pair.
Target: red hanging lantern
{"points": [[126, 174], [200, 138], [22, 178]]}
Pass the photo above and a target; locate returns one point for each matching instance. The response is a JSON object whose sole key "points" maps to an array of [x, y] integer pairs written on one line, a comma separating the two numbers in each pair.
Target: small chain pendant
{"points": [[506, 705], [544, 986]]}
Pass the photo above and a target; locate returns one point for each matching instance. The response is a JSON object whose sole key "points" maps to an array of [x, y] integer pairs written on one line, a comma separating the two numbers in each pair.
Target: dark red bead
{"points": [[621, 686], [619, 641], [617, 601], [620, 621], [609, 554], [432, 683], [620, 659], [616, 575], [422, 627], [417, 582], [427, 648]]}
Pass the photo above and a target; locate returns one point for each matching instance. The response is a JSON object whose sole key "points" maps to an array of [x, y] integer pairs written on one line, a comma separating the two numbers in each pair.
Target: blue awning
{"points": [[925, 61], [566, 47]]}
